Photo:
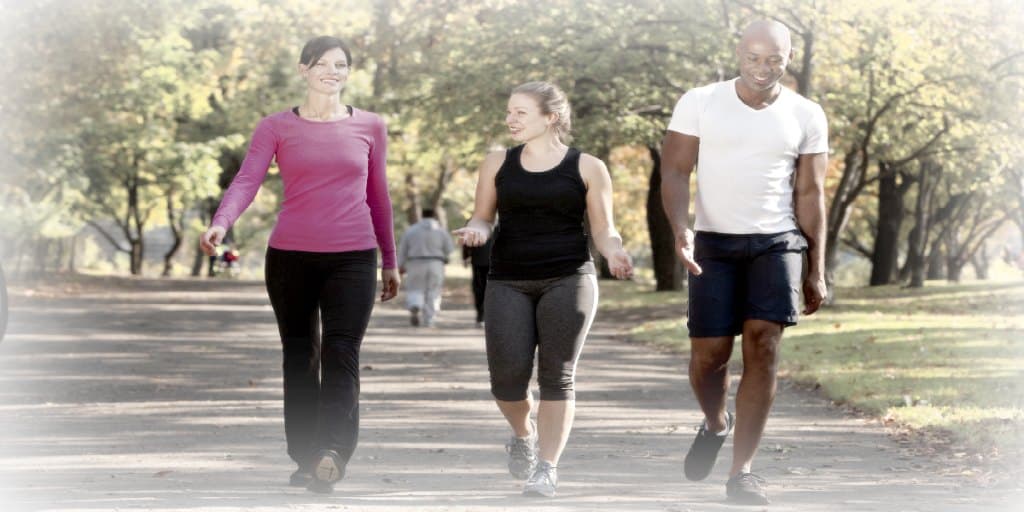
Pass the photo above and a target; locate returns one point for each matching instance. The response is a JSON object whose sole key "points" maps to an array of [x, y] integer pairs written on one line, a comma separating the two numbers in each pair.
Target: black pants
{"points": [[479, 289], [322, 302]]}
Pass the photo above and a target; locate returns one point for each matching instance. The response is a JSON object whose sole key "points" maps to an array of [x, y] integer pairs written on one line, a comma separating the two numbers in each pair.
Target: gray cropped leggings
{"points": [[549, 317]]}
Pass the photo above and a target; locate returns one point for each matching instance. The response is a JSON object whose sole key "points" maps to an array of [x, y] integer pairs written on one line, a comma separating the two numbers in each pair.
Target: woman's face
{"points": [[329, 73], [524, 118]]}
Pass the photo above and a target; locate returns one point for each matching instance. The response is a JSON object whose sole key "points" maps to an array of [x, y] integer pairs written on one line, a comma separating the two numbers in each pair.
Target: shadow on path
{"points": [[165, 395]]}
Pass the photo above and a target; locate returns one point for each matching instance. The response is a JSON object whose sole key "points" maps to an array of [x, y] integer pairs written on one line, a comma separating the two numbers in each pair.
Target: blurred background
{"points": [[123, 122]]}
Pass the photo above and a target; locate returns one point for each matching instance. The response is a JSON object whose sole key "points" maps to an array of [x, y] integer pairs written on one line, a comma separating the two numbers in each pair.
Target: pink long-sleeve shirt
{"points": [[335, 183]]}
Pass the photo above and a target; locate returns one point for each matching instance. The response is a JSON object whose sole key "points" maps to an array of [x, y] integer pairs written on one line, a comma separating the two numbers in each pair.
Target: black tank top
{"points": [[540, 220]]}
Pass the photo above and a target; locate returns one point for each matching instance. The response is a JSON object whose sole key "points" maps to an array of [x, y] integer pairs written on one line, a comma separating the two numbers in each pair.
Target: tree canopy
{"points": [[128, 117]]}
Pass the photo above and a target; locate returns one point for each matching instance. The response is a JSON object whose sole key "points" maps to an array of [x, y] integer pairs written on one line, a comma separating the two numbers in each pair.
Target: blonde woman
{"points": [[541, 290]]}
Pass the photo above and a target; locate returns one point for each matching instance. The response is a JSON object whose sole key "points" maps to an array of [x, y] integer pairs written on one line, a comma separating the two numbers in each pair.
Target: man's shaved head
{"points": [[768, 32]]}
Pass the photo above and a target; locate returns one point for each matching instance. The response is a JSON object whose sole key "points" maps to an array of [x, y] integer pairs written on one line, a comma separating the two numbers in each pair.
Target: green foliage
{"points": [[102, 99], [947, 357]]}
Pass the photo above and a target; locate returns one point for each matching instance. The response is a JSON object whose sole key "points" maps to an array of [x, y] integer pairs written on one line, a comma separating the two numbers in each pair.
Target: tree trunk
{"points": [[414, 206], [936, 261], [668, 271], [890, 219], [42, 249], [970, 227], [58, 256], [914, 258], [444, 178], [954, 269], [980, 261], [135, 258], [927, 183], [207, 208], [954, 265], [839, 213], [133, 224], [176, 231], [197, 261], [806, 74], [72, 262]]}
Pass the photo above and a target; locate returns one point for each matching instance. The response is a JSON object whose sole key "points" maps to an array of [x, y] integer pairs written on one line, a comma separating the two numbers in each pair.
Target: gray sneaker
{"points": [[747, 489], [543, 481], [522, 454]]}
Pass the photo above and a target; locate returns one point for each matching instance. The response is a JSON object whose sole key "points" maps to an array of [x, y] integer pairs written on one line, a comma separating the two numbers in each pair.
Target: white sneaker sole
{"points": [[539, 493]]}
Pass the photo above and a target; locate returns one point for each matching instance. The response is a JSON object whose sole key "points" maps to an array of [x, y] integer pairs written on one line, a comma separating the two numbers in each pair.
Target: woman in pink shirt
{"points": [[322, 256]]}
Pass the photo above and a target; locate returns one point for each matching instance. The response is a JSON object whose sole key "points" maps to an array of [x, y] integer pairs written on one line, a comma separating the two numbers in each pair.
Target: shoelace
{"points": [[750, 478], [518, 447], [542, 473]]}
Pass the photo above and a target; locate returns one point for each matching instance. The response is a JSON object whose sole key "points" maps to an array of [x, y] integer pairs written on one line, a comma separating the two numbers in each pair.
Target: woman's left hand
{"points": [[390, 280], [620, 264]]}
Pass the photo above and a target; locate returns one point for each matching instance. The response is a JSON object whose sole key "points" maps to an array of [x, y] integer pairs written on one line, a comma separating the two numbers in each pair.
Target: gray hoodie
{"points": [[425, 240]]}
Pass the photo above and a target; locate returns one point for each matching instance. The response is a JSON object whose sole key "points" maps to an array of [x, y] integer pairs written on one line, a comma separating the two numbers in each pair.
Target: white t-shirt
{"points": [[747, 157]]}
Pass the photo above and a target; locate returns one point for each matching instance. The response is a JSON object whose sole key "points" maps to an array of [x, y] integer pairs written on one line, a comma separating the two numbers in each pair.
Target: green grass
{"points": [[946, 357]]}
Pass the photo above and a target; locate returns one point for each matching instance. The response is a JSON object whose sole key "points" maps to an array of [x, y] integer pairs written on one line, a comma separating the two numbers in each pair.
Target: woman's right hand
{"points": [[470, 236], [209, 241]]}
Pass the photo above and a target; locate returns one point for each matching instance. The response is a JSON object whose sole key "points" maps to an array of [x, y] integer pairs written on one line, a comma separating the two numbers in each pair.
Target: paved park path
{"points": [[121, 394]]}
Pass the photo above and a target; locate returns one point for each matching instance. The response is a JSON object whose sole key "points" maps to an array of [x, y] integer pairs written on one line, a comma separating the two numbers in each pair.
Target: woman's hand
{"points": [[470, 236], [390, 283], [209, 241], [620, 264]]}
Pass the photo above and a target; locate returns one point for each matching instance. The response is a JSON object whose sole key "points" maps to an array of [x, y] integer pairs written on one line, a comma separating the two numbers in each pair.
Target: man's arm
{"points": [[809, 196], [678, 157]]}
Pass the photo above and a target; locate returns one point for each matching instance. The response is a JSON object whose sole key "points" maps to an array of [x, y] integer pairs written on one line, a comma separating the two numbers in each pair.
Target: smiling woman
{"points": [[541, 293], [325, 64], [322, 255]]}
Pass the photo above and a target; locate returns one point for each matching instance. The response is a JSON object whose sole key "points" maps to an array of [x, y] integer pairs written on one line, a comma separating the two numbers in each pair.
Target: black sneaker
{"points": [[747, 489], [414, 316], [704, 450], [328, 470], [300, 478]]}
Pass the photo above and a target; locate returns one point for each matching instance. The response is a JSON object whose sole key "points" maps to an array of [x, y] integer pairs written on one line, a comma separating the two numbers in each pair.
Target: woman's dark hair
{"points": [[318, 46]]}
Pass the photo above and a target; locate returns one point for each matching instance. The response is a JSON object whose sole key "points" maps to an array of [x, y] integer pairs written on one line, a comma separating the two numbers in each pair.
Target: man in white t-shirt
{"points": [[761, 151]]}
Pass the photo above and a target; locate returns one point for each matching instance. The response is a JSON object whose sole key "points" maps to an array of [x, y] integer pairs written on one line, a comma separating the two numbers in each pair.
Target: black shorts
{"points": [[744, 277]]}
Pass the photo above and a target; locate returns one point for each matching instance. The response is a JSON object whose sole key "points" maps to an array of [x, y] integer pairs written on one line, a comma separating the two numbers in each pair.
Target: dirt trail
{"points": [[165, 395]]}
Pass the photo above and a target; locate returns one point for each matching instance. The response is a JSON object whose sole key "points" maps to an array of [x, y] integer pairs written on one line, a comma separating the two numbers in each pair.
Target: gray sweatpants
{"points": [[424, 281], [549, 317]]}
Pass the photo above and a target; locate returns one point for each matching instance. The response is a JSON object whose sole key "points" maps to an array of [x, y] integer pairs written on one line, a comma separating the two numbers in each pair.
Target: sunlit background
{"points": [[121, 124]]}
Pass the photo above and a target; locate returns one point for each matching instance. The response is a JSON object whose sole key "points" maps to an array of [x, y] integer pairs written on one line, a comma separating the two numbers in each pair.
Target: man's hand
{"points": [[684, 251], [815, 292]]}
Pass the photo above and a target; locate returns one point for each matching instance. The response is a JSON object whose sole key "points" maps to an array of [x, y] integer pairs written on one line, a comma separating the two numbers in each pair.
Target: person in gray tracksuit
{"points": [[422, 254]]}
